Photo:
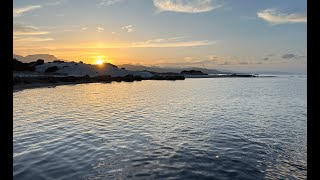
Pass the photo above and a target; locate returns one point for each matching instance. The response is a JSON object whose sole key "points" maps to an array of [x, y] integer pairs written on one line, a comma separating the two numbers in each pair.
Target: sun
{"points": [[100, 62]]}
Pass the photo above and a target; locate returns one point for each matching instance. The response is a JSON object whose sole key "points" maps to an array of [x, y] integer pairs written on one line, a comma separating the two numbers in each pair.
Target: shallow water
{"points": [[220, 128]]}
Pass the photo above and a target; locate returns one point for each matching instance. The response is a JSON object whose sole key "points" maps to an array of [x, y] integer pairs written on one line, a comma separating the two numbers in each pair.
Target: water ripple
{"points": [[192, 129]]}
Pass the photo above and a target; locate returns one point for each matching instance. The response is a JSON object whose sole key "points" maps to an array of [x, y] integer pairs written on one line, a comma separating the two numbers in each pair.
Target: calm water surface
{"points": [[226, 128]]}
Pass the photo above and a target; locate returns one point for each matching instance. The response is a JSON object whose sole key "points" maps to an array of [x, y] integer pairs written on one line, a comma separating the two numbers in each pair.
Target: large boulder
{"points": [[39, 62]]}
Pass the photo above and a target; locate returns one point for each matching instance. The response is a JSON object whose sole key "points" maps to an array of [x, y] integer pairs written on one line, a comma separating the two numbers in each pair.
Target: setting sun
{"points": [[100, 62]]}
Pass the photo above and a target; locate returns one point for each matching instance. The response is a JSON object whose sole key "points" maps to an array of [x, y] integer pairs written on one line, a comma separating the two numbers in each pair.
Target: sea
{"points": [[203, 128]]}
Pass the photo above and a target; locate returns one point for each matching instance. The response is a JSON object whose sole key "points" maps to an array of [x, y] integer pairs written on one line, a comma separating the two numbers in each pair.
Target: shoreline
{"points": [[22, 83], [21, 87]]}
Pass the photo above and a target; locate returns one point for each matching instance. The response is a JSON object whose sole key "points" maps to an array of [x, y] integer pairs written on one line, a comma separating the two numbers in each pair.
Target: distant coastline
{"points": [[39, 74]]}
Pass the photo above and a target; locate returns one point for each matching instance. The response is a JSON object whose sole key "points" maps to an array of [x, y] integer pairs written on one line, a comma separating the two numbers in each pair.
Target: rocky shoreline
{"points": [[40, 74], [27, 82], [20, 83]]}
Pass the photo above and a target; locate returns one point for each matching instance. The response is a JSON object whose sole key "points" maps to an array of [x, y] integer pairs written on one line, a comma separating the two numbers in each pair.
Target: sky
{"points": [[243, 35]]}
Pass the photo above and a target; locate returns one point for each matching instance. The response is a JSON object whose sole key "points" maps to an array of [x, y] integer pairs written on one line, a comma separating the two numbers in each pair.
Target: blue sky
{"points": [[225, 34]]}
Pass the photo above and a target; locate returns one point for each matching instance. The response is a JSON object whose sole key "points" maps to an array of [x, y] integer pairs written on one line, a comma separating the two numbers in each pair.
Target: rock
{"points": [[242, 75], [39, 62], [27, 81], [69, 79], [86, 77], [128, 78], [20, 66], [105, 78], [157, 77], [192, 72], [51, 69], [58, 61], [117, 79], [53, 81]]}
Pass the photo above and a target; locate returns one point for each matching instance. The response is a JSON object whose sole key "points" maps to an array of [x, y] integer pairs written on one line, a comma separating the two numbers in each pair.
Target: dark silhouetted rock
{"points": [[157, 77], [109, 64], [53, 81], [242, 75], [51, 69], [39, 62], [138, 78], [192, 72], [128, 78], [20, 66], [58, 61], [27, 81], [86, 77], [69, 79], [105, 78]]}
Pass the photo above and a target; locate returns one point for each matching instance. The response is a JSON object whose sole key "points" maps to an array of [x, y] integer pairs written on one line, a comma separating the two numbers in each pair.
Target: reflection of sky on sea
{"points": [[250, 128]]}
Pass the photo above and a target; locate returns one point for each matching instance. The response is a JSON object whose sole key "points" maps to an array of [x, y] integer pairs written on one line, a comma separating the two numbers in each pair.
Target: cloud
{"points": [[128, 28], [109, 2], [34, 39], [100, 29], [213, 57], [207, 61], [266, 58], [185, 6], [20, 29], [55, 3], [293, 56], [211, 60], [275, 17], [84, 28], [288, 56], [27, 33], [225, 63], [188, 63], [171, 42], [20, 11], [189, 58]]}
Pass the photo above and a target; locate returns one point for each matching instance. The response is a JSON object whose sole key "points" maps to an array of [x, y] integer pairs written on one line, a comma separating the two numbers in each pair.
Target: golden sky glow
{"points": [[209, 34], [100, 62]]}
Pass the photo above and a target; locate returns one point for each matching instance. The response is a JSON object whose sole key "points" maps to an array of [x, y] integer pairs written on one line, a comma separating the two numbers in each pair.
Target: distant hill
{"points": [[34, 57], [272, 72], [174, 70]]}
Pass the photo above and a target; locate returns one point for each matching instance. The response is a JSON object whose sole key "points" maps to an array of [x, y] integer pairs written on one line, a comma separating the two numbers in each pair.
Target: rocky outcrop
{"points": [[20, 66], [172, 78], [192, 72], [39, 62], [105, 78]]}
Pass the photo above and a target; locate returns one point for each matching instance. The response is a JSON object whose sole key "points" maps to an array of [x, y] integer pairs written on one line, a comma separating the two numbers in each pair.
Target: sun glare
{"points": [[100, 62]]}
